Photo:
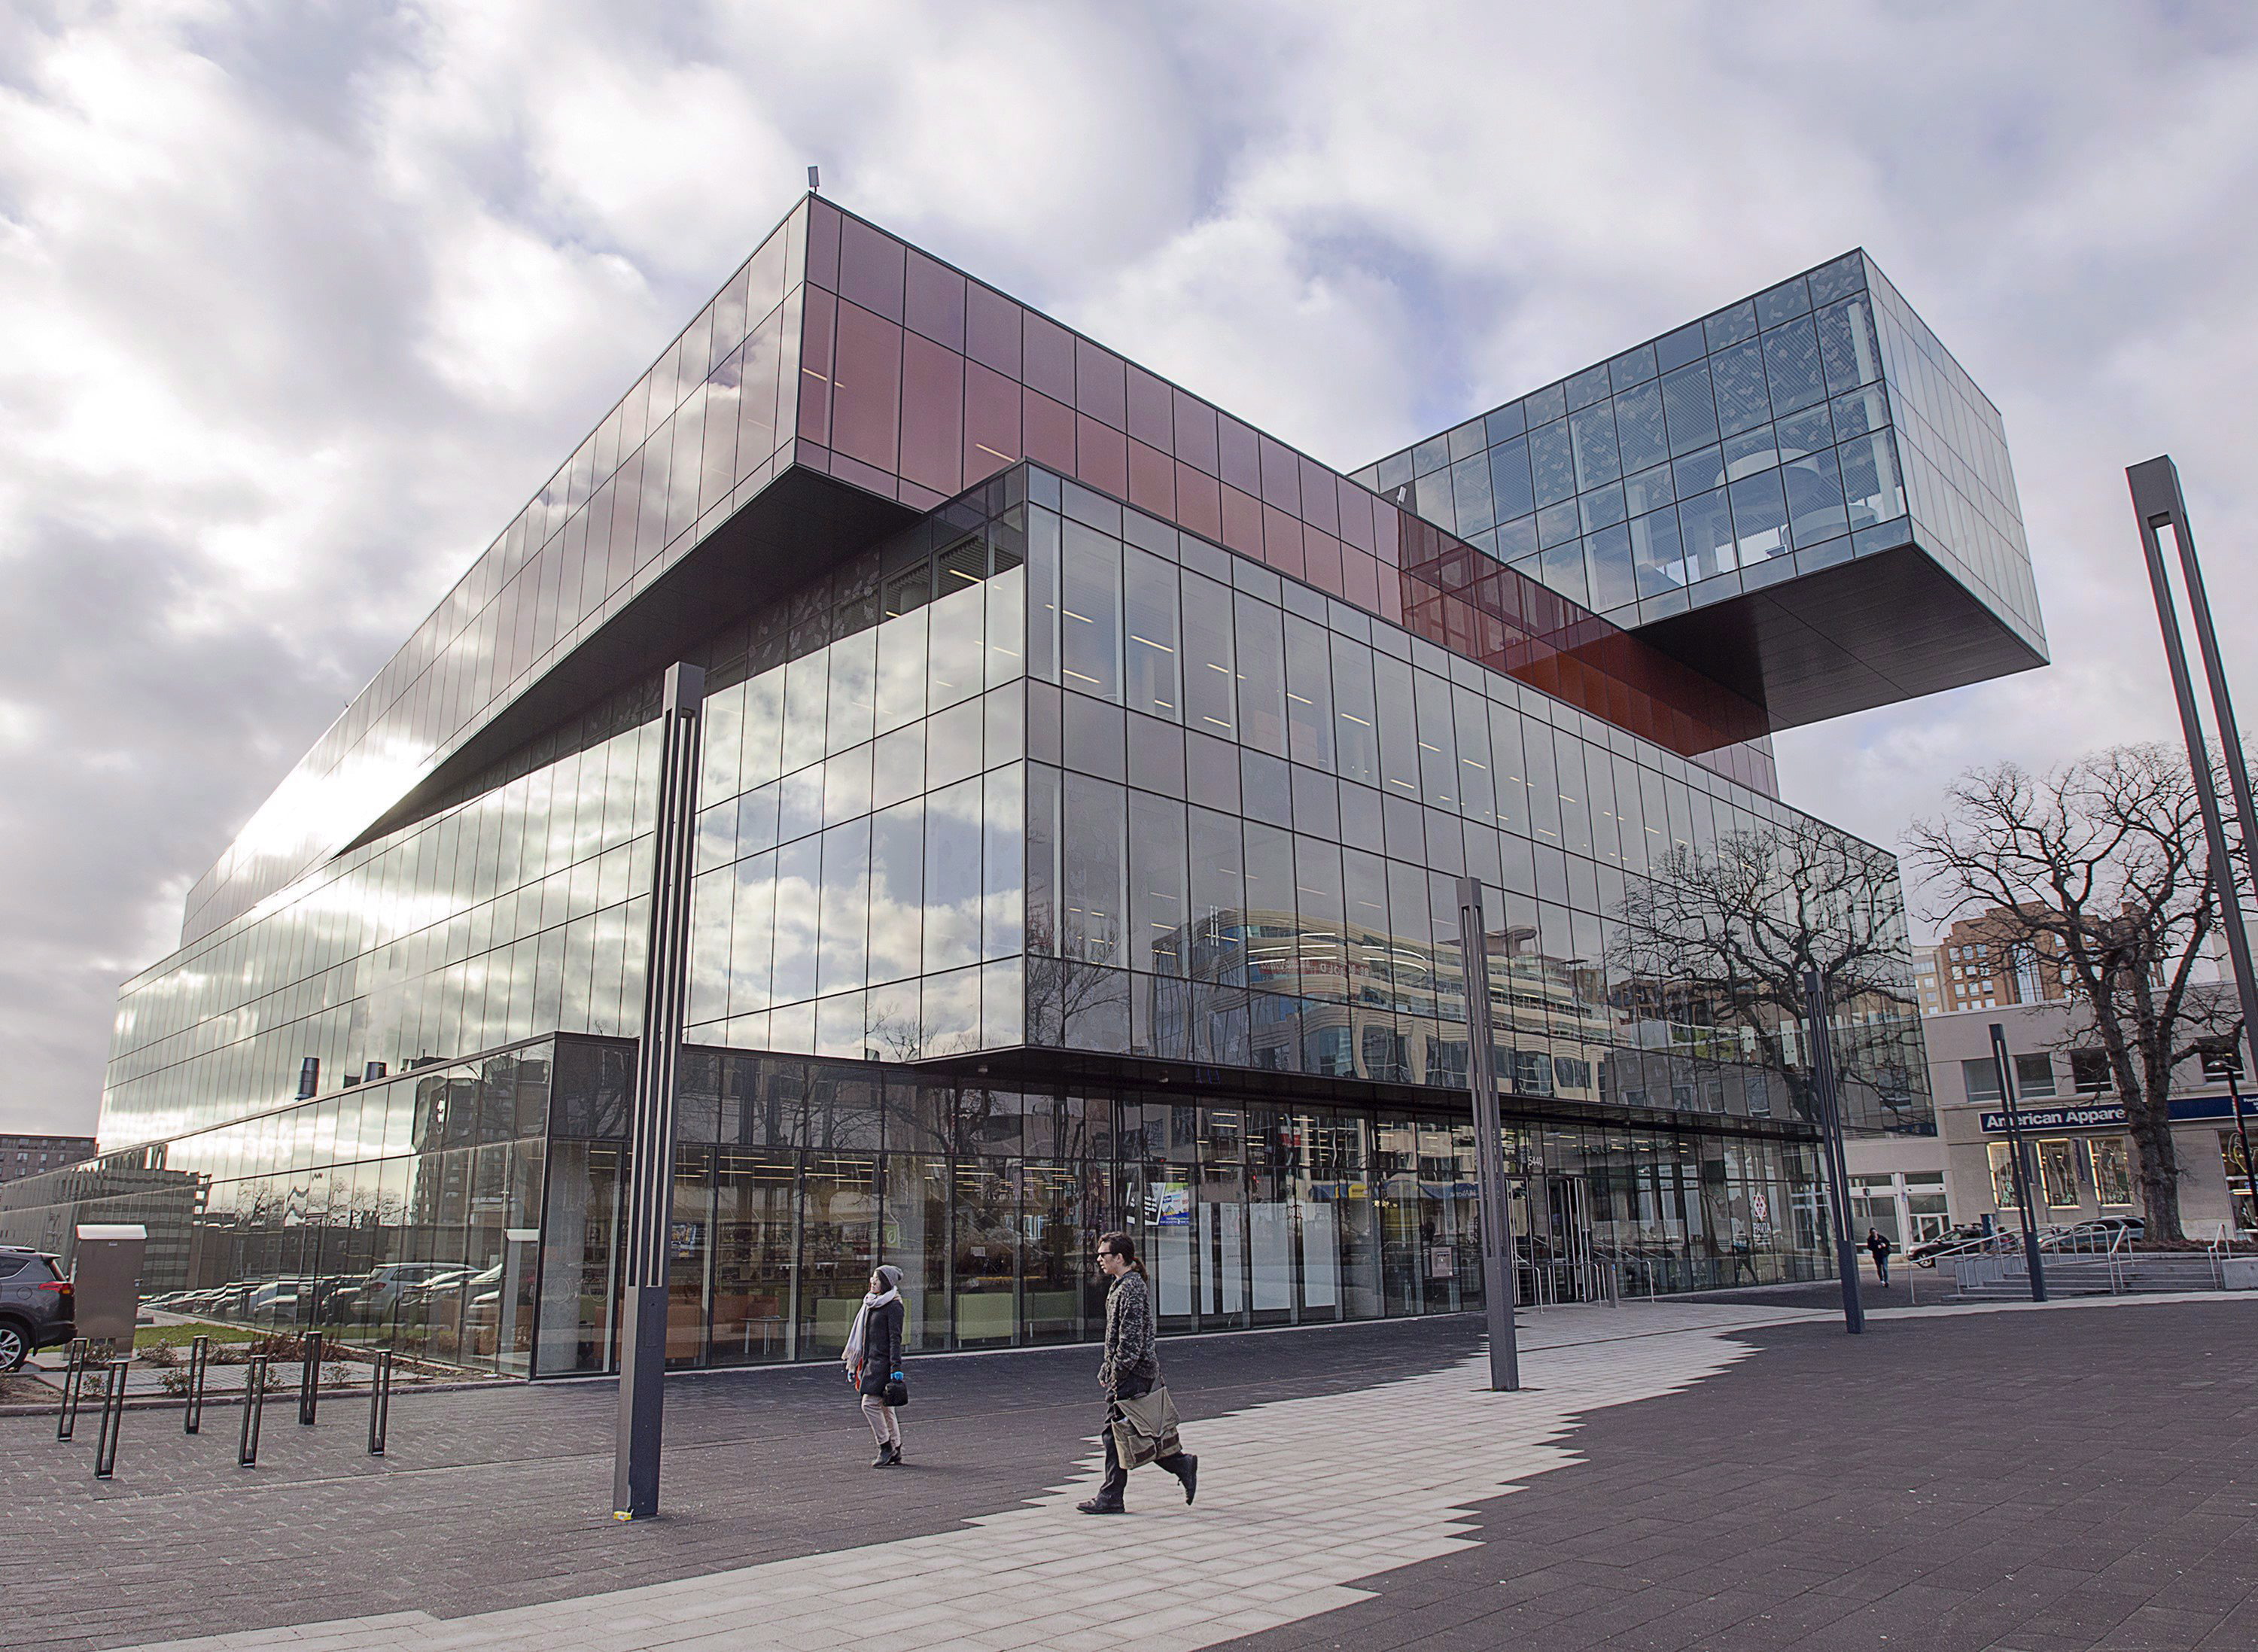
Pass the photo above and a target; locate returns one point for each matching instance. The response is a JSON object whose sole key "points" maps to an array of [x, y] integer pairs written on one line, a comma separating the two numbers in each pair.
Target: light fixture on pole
{"points": [[2018, 1162], [1495, 1216], [1838, 1163], [2158, 504], [650, 1162]]}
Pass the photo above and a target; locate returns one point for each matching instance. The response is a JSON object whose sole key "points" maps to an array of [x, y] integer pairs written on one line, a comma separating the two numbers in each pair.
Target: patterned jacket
{"points": [[1129, 1351]]}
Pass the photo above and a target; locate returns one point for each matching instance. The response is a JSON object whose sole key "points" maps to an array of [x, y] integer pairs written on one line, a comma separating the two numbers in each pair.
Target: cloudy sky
{"points": [[299, 302]]}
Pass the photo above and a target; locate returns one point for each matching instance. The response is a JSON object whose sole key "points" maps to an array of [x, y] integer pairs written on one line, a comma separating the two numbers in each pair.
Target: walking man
{"points": [[1130, 1372], [1878, 1246]]}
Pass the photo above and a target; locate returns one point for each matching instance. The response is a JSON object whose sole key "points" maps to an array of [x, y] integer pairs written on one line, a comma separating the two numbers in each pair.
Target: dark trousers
{"points": [[1117, 1477], [1882, 1266]]}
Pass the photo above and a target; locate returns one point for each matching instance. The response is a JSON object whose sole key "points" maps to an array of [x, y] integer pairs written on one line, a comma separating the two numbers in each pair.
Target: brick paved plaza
{"points": [[1677, 1475]]}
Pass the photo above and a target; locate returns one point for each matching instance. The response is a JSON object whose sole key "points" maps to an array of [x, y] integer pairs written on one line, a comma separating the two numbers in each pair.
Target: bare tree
{"points": [[1723, 940], [2105, 860]]}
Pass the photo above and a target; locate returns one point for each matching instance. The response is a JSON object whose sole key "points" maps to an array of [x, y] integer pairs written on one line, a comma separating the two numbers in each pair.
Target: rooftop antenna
{"points": [[814, 181]]}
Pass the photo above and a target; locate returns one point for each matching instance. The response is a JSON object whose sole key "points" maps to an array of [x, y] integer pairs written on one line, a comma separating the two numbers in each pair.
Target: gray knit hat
{"points": [[893, 1276]]}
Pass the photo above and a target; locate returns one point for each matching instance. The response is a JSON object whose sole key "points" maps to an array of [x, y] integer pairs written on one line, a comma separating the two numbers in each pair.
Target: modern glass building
{"points": [[1085, 777]]}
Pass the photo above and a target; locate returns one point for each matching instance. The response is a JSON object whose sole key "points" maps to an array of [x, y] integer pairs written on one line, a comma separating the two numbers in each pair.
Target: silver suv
{"points": [[36, 1307]]}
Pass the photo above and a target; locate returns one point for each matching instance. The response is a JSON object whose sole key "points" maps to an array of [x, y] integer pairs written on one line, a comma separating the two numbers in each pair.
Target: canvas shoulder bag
{"points": [[1146, 1427]]}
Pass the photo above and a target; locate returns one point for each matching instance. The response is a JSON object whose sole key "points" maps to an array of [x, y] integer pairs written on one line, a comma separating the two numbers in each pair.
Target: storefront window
{"points": [[2111, 1157], [2058, 1173]]}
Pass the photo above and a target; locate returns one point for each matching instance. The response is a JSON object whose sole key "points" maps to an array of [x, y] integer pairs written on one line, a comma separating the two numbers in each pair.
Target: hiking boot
{"points": [[1103, 1506]]}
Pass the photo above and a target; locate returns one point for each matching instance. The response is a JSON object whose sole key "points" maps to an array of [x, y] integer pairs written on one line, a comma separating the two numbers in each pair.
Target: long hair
{"points": [[1126, 1248]]}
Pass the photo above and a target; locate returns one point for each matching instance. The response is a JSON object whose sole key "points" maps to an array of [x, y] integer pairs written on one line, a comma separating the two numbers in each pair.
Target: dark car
{"points": [[35, 1309]]}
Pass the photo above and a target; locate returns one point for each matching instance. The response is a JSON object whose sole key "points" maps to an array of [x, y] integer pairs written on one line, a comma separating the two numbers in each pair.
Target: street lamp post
{"points": [[651, 1167], [1498, 1270], [2158, 503], [1838, 1162], [2019, 1166]]}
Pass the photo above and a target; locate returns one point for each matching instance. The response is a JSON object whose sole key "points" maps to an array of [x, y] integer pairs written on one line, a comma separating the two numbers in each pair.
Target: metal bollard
{"points": [[192, 1420], [113, 1417], [67, 1418], [254, 1403], [309, 1378], [379, 1402]]}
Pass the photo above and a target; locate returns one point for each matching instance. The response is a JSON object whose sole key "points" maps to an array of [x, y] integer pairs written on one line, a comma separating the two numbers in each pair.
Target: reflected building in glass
{"points": [[1085, 777]]}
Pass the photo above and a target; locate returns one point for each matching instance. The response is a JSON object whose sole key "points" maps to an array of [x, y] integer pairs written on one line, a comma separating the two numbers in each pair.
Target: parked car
{"points": [[37, 1307], [389, 1284], [2099, 1233], [1951, 1239]]}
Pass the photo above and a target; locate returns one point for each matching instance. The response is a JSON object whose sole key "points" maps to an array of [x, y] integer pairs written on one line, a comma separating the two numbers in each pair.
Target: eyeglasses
{"points": [[1103, 1254]]}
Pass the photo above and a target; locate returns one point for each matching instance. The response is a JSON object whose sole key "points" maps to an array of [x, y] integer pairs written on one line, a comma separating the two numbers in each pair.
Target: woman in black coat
{"points": [[874, 1358]]}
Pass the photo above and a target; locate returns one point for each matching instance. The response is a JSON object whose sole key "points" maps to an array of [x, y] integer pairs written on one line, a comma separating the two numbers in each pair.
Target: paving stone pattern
{"points": [[2042, 1480], [496, 1497]]}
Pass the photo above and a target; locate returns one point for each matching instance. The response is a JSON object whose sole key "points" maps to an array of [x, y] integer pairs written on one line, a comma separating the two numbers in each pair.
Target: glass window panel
{"points": [[1607, 556], [1592, 433], [1815, 499], [1470, 493], [896, 893], [843, 922], [1094, 872], [1688, 410], [1308, 692], [1552, 463], [1004, 862], [1639, 427], [1210, 670], [1090, 613], [1737, 376], [1847, 346], [1658, 554], [1792, 369], [806, 684], [752, 934], [1399, 731], [900, 684], [1262, 676], [1159, 887], [1356, 715], [1512, 493], [798, 892], [1706, 527], [1218, 896], [956, 663], [1150, 644], [1759, 518], [1562, 568], [953, 877]]}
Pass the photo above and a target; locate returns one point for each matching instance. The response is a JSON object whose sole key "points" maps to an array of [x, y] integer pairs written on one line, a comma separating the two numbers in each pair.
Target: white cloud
{"points": [[303, 301]]}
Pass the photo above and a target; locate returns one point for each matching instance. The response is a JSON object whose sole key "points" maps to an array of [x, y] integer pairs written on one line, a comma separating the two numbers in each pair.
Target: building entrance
{"points": [[1558, 1259]]}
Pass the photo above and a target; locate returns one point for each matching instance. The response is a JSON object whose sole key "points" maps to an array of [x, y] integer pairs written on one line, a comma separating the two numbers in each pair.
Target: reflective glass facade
{"points": [[1819, 422], [1059, 865]]}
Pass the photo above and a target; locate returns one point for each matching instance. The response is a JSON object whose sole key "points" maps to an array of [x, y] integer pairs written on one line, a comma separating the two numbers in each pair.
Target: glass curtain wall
{"points": [[1247, 807]]}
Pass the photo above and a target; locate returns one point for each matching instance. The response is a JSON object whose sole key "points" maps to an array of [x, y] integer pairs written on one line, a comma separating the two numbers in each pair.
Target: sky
{"points": [[300, 301]]}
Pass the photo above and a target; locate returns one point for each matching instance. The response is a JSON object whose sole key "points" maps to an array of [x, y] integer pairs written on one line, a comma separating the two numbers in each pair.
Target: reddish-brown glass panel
{"points": [[1151, 480], [1150, 420], [1386, 521], [823, 244], [1282, 540], [992, 326], [1099, 384], [1242, 522], [932, 414], [1281, 476], [866, 388], [933, 301], [1241, 452], [1320, 503], [1196, 433], [1321, 555], [1101, 456], [1048, 365], [992, 421], [870, 269], [1355, 513], [1047, 427], [1199, 502]]}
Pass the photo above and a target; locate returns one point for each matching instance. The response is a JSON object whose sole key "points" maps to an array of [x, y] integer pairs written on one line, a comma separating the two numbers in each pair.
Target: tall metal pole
{"points": [[2156, 502], [1838, 1162], [651, 1167], [2250, 1165], [2019, 1164], [1498, 1270]]}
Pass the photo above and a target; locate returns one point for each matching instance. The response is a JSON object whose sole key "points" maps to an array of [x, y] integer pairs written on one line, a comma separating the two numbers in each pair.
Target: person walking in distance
{"points": [[1878, 1246], [874, 1358], [1130, 1370]]}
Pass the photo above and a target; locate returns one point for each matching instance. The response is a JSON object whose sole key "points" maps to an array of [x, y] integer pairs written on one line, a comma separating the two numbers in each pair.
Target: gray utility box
{"points": [[106, 1272]]}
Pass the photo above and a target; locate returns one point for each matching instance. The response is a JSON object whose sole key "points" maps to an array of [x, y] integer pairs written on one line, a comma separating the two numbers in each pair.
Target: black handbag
{"points": [[896, 1391]]}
